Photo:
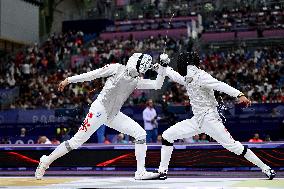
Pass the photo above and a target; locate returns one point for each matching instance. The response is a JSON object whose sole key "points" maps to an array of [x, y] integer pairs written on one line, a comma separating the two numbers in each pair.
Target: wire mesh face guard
{"points": [[138, 63], [144, 63]]}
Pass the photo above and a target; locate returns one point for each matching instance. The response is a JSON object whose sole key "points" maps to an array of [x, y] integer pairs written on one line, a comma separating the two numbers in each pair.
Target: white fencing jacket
{"points": [[119, 85], [200, 88]]}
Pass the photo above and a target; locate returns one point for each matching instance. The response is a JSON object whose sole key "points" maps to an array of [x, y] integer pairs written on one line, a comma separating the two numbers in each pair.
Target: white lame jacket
{"points": [[119, 85], [200, 88]]}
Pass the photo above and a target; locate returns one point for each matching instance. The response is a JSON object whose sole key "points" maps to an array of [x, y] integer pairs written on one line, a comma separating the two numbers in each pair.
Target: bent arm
{"points": [[153, 84], [210, 82], [175, 76], [106, 71]]}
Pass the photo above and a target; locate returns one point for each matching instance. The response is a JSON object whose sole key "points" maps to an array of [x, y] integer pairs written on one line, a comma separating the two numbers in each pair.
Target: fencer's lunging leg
{"points": [[250, 156], [94, 119], [91, 123], [59, 151], [183, 129], [214, 127]]}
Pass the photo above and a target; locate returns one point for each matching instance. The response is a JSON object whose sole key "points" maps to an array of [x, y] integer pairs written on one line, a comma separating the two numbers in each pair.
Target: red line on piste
{"points": [[23, 157], [108, 162]]}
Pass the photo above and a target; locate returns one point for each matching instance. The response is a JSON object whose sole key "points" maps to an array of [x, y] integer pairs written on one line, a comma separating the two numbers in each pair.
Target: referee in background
{"points": [[150, 122]]}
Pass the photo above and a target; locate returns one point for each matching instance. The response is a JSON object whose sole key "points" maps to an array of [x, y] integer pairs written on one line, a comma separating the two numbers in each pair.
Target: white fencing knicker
{"points": [[94, 119], [211, 125], [97, 117]]}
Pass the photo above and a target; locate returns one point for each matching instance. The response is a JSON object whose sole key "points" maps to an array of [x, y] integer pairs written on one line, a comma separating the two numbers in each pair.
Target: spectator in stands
{"points": [[150, 122], [169, 117], [255, 138], [23, 132], [22, 138], [267, 138], [64, 134], [159, 139], [10, 80], [26, 70], [143, 98], [101, 134], [203, 138], [106, 140], [43, 140], [5, 140], [55, 141], [120, 139], [275, 113], [195, 139]]}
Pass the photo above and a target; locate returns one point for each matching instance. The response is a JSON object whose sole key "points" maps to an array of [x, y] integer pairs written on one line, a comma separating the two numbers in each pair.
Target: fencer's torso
{"points": [[121, 82], [200, 88], [117, 89], [201, 98]]}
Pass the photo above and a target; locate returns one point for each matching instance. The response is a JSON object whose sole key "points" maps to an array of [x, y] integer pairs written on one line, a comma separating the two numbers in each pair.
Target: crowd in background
{"points": [[217, 17], [259, 73], [243, 18], [149, 9], [37, 70]]}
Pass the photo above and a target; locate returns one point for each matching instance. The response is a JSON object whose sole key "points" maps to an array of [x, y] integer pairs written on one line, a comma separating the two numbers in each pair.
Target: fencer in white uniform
{"points": [[200, 88], [121, 82]]}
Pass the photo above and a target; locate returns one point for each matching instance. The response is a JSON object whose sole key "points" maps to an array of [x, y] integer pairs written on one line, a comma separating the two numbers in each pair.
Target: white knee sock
{"points": [[166, 153], [140, 153], [250, 156], [59, 151]]}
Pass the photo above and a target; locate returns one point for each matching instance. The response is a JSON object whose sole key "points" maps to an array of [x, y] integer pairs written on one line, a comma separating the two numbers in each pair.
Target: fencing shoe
{"points": [[270, 173], [144, 175], [42, 166], [162, 175]]}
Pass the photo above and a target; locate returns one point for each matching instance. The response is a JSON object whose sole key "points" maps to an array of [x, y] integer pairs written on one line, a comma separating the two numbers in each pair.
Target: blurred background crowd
{"points": [[37, 70]]}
